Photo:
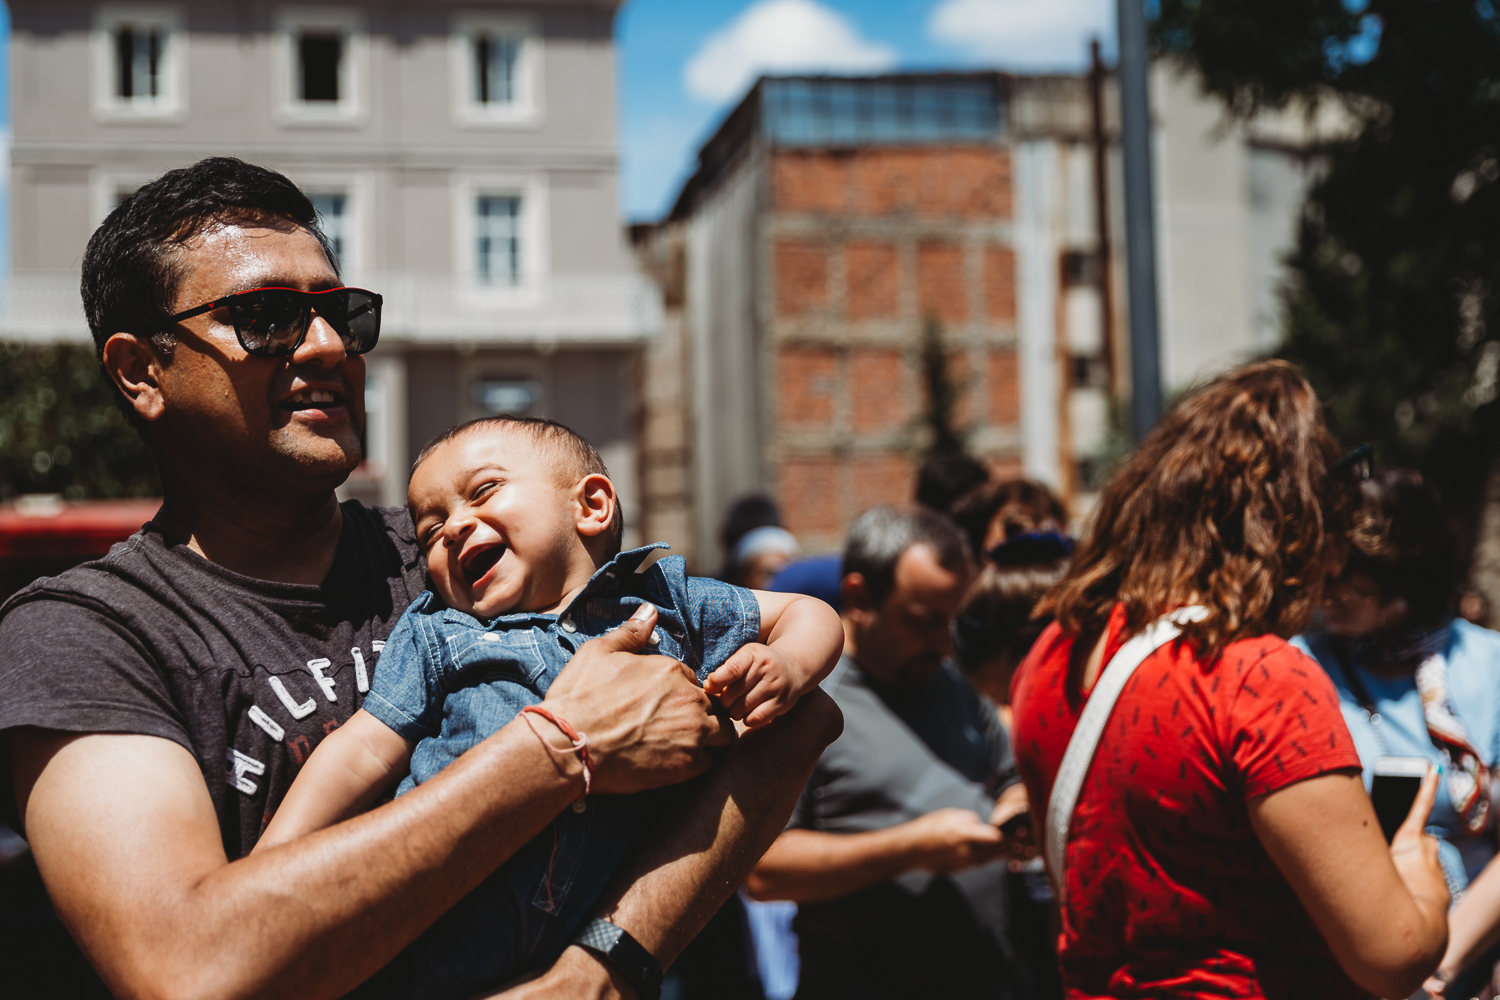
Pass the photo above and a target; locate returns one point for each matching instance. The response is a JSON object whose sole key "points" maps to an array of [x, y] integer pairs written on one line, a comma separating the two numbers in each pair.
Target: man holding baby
{"points": [[156, 705]]}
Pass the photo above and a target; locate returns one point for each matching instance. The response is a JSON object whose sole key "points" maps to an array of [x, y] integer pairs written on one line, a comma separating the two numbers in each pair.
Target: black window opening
{"points": [[138, 63], [320, 56], [495, 69]]}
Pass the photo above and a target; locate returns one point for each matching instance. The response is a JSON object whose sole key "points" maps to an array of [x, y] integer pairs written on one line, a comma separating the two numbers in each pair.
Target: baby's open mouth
{"points": [[481, 562]]}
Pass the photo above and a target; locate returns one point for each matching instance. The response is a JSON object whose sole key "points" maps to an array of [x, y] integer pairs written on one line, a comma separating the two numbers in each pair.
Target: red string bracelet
{"points": [[580, 741]]}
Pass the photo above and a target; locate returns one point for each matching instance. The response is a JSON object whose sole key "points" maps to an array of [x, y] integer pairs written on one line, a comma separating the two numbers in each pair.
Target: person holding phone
{"points": [[1214, 838], [1416, 681]]}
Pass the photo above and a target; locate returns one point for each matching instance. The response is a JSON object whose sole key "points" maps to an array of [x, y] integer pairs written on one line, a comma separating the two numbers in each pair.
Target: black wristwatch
{"points": [[639, 967]]}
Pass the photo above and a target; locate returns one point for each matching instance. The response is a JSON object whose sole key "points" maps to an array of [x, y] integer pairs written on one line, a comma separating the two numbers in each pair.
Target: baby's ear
{"points": [[598, 506]]}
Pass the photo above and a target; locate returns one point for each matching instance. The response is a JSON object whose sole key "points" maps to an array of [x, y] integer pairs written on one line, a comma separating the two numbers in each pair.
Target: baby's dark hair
{"points": [[580, 458]]}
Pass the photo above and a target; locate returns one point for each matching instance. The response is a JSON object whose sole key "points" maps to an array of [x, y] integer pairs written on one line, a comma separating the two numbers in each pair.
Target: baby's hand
{"points": [[757, 684]]}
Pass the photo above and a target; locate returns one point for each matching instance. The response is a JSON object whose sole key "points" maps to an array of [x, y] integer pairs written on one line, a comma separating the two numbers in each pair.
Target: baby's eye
{"points": [[484, 490], [430, 536]]}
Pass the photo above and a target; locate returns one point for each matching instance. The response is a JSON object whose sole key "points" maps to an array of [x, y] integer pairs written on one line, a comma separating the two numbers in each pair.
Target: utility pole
{"points": [[1104, 265], [1140, 219]]}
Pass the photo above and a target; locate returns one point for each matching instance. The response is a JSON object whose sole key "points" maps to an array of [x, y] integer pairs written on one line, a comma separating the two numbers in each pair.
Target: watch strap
{"points": [[611, 942]]}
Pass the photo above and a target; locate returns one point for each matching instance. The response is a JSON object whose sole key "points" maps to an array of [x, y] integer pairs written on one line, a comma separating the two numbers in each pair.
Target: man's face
{"points": [[262, 420], [904, 639], [498, 524]]}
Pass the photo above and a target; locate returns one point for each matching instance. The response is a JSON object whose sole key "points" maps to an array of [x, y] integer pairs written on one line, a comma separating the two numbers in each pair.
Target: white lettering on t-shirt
{"points": [[361, 676], [326, 683], [298, 711], [378, 645], [264, 721], [241, 765]]}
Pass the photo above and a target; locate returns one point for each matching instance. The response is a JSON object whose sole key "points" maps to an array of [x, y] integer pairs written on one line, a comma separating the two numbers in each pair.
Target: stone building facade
{"points": [[463, 157]]}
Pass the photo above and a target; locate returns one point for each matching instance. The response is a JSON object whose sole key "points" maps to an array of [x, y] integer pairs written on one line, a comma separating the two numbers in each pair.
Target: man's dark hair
{"points": [[134, 262], [879, 536], [580, 458], [945, 477]]}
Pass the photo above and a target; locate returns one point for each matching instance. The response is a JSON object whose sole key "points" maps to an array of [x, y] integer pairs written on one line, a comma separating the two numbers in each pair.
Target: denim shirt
{"points": [[448, 680]]}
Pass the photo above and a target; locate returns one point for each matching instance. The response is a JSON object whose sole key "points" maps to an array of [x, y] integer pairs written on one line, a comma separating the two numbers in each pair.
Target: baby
{"points": [[521, 529]]}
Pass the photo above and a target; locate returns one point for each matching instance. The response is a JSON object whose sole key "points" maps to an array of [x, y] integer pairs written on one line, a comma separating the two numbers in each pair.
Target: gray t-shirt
{"points": [[248, 676], [902, 755]]}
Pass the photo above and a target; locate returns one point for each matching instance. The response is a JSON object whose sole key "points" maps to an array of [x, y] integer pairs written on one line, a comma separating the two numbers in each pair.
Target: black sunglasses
{"points": [[1358, 465], [273, 322]]}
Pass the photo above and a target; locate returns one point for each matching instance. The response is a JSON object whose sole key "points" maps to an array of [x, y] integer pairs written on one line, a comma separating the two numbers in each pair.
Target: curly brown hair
{"points": [[1227, 503]]}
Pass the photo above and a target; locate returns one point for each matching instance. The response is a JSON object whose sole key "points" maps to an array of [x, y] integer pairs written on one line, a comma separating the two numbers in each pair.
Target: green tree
{"points": [[61, 432], [1391, 309]]}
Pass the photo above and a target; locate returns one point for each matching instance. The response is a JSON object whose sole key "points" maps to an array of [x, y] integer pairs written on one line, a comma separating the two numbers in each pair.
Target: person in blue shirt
{"points": [[1414, 680], [519, 524]]}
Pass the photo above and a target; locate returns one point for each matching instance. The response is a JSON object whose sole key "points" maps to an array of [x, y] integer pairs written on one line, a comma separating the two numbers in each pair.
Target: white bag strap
{"points": [[1091, 723]]}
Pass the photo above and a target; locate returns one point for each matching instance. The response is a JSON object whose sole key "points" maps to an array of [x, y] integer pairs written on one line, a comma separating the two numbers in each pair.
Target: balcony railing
{"points": [[420, 308]]}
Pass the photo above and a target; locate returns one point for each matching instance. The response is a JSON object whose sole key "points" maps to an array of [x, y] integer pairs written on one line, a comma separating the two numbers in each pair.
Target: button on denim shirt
{"points": [[449, 680]]}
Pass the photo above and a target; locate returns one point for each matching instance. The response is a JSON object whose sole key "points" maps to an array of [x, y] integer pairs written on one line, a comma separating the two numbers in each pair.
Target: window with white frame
{"points": [[333, 218], [496, 63], [323, 57], [138, 60], [497, 238]]}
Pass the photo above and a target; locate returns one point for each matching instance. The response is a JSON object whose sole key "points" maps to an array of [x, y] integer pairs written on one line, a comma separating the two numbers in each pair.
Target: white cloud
{"points": [[1024, 34], [780, 36]]}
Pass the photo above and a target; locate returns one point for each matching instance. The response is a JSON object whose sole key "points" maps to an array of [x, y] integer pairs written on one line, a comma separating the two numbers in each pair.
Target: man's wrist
{"points": [[558, 745]]}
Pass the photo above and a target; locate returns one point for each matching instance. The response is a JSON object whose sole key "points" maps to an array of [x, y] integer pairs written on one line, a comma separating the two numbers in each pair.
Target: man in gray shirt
{"points": [[894, 853]]}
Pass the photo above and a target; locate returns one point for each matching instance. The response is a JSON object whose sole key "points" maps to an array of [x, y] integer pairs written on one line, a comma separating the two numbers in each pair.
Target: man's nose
{"points": [[322, 345]]}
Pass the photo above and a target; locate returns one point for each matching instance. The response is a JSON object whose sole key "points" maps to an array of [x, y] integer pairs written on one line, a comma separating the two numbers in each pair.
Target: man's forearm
{"points": [[808, 866], [311, 918], [666, 894]]}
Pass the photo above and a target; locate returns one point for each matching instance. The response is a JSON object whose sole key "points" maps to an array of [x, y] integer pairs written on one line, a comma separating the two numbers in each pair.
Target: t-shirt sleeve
{"points": [[70, 665], [406, 692], [725, 617], [1285, 723]]}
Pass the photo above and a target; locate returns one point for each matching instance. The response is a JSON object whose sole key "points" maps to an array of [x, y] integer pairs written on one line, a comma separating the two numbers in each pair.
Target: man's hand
{"points": [[950, 840], [1020, 842], [648, 722], [757, 684]]}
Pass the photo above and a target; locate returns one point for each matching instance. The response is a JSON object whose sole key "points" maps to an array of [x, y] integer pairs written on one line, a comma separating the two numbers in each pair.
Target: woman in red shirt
{"points": [[1223, 843]]}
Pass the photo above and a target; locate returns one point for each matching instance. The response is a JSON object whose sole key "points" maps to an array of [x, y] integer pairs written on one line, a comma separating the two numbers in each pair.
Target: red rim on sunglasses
{"points": [[273, 322]]}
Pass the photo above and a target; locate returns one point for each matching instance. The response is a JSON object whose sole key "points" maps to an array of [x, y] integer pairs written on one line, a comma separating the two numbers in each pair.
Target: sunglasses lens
{"points": [[357, 319], [269, 322]]}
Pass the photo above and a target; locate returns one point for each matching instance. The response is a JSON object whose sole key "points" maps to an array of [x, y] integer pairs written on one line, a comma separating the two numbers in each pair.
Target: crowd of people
{"points": [[279, 745]]}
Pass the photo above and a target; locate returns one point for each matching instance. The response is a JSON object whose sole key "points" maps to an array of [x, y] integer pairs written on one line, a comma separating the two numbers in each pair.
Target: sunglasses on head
{"points": [[273, 322]]}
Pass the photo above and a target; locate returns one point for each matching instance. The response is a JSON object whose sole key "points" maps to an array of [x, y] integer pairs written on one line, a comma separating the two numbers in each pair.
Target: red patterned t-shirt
{"points": [[1169, 891]]}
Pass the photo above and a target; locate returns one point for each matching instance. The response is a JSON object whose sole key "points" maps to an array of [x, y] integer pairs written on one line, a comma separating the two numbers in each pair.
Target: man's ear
{"points": [[856, 593], [595, 496], [133, 366]]}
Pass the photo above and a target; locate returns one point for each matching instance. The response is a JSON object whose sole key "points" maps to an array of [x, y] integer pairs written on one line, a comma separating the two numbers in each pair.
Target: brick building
{"points": [[837, 232]]}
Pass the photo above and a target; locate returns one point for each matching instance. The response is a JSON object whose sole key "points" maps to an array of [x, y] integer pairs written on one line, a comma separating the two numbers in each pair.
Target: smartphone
{"points": [[1016, 823], [1397, 781]]}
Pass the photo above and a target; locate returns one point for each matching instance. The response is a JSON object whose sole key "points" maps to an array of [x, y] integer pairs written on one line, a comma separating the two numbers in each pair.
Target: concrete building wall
{"points": [[723, 274]]}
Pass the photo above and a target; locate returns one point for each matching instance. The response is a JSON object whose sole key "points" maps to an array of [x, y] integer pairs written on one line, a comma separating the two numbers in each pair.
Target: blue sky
{"points": [[684, 65]]}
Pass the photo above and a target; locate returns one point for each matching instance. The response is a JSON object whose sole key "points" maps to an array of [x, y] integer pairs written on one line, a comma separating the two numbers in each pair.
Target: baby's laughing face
{"points": [[494, 515]]}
